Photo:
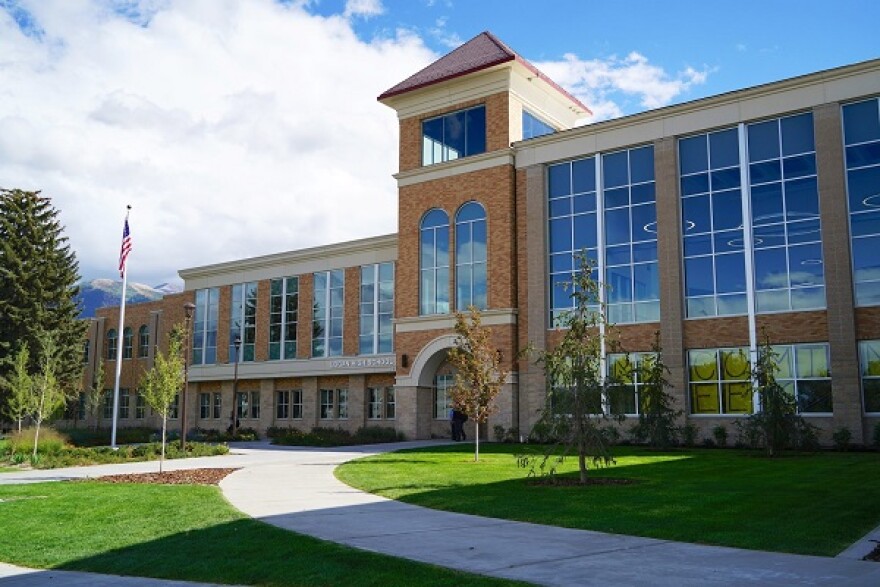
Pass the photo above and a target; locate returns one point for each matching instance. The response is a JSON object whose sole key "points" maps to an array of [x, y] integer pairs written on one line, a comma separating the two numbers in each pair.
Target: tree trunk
{"points": [[162, 456], [37, 438]]}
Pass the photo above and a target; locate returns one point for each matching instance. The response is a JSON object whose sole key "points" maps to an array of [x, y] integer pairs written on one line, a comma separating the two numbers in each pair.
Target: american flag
{"points": [[126, 248]]}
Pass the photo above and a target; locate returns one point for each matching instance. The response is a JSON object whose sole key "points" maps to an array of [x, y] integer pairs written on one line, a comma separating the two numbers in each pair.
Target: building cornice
{"points": [[447, 321], [766, 100], [296, 368], [337, 255], [456, 167]]}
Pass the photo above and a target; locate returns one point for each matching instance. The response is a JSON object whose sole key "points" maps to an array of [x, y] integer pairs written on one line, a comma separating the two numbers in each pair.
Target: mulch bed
{"points": [[575, 482], [182, 477]]}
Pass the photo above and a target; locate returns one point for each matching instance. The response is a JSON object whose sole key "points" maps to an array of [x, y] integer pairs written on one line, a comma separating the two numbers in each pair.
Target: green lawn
{"points": [[810, 504], [184, 533]]}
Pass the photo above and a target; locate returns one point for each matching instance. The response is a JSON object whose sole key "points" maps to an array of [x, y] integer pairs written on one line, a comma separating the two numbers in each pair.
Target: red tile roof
{"points": [[482, 52]]}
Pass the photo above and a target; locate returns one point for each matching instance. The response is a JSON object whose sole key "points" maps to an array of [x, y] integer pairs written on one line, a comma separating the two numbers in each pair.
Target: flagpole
{"points": [[120, 337]]}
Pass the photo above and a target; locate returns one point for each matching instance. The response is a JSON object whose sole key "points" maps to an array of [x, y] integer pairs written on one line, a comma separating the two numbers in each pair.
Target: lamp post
{"points": [[189, 308], [237, 343]]}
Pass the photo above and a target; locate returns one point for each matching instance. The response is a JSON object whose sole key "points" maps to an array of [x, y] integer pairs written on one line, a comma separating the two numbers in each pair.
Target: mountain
{"points": [[100, 293]]}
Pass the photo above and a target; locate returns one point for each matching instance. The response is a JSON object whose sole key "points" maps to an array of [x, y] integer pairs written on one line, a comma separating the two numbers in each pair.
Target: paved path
{"points": [[295, 489]]}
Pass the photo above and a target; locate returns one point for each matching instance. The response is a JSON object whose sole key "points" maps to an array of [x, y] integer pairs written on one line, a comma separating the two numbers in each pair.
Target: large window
{"points": [[328, 315], [861, 131], [108, 404], [376, 308], [124, 403], [112, 341], [442, 396], [627, 372], [140, 406], [712, 223], [454, 135], [630, 229], [532, 126], [720, 381], [333, 404], [434, 263], [622, 223], [786, 234], [804, 373], [869, 364], [205, 327], [127, 343], [573, 227], [243, 320], [143, 341], [288, 404], [248, 404], [470, 257], [283, 305], [380, 403]]}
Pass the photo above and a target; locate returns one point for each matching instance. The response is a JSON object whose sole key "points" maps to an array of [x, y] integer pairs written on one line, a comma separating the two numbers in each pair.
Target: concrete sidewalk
{"points": [[303, 495], [295, 489]]}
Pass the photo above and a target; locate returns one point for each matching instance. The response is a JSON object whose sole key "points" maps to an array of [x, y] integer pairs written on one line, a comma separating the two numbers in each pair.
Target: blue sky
{"points": [[239, 128]]}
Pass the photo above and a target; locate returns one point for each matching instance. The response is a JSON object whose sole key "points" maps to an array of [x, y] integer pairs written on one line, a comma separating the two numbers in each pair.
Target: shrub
{"points": [[377, 434], [842, 438], [335, 436], [708, 443], [51, 442], [506, 435], [101, 436], [877, 435], [689, 434], [720, 435]]}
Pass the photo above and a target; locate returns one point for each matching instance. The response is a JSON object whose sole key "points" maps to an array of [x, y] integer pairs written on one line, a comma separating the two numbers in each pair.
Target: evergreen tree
{"points": [[38, 287]]}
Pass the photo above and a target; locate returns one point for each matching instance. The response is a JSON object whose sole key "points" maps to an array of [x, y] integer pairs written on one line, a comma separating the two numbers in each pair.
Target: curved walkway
{"points": [[295, 489]]}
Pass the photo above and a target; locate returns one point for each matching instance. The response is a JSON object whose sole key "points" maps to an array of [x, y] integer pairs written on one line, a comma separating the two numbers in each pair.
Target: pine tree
{"points": [[38, 287]]}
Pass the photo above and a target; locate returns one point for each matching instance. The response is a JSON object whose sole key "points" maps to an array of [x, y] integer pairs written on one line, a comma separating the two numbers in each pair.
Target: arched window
{"points": [[127, 342], [470, 257], [112, 341], [143, 341], [434, 263]]}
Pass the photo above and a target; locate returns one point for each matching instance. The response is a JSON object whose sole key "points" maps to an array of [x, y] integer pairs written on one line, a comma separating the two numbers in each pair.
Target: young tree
{"points": [[478, 372], [164, 381], [573, 414], [38, 285], [657, 415], [48, 393], [19, 386], [95, 394]]}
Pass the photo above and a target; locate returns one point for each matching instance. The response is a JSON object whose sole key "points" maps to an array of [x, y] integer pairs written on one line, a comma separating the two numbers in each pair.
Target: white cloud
{"points": [[233, 127], [363, 8], [607, 85]]}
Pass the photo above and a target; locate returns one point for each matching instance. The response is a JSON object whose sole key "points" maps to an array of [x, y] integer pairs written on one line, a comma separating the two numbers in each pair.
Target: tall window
{"points": [[243, 320], [205, 327], [861, 131], [804, 373], [714, 258], [248, 404], [342, 404], [628, 372], [470, 257], [376, 308], [786, 234], [283, 305], [869, 364], [143, 341], [204, 406], [720, 381], [454, 135], [328, 313], [532, 126], [127, 342], [380, 403], [630, 229], [282, 405], [140, 406], [573, 227], [296, 404], [333, 404], [124, 403], [434, 263], [112, 341], [108, 404], [442, 397]]}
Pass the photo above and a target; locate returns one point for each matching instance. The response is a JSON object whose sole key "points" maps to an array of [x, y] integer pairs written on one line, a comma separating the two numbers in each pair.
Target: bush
{"points": [[877, 435], [51, 442], [101, 436], [335, 436], [689, 434], [79, 456], [842, 438], [506, 435], [720, 435]]}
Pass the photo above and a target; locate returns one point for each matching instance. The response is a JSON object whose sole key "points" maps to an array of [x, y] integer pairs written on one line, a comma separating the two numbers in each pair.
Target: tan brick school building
{"points": [[711, 221]]}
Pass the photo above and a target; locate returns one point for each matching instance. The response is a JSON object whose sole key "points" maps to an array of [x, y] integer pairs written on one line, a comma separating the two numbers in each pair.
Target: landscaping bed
{"points": [[181, 477]]}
